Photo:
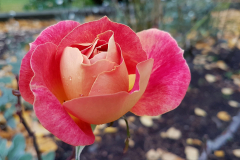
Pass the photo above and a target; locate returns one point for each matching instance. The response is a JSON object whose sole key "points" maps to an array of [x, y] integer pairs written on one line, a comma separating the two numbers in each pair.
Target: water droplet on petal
{"points": [[81, 95], [70, 78]]}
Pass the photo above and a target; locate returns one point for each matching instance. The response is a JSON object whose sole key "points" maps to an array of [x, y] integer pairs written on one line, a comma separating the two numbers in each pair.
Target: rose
{"points": [[76, 75]]}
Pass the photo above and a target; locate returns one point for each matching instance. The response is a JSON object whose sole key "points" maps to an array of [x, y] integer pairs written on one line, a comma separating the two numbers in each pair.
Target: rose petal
{"points": [[113, 54], [47, 107], [78, 78], [108, 108], [131, 48], [98, 57], [52, 34], [111, 82], [170, 76]]}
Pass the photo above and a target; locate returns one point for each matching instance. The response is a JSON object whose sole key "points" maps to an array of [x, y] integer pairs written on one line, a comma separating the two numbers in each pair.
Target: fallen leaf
{"points": [[38, 129], [222, 65], [156, 117], [46, 144], [227, 91], [98, 138], [164, 135], [171, 133], [191, 153], [200, 112], [146, 121], [210, 78], [170, 156], [152, 155], [102, 126], [219, 153], [167, 155], [224, 116], [131, 119], [110, 130], [131, 143], [96, 131], [233, 103], [122, 123], [191, 141], [236, 152]]}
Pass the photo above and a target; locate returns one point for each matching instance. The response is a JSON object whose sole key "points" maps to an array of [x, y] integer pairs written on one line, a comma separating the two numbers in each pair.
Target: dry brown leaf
{"points": [[191, 153], [122, 123], [110, 130], [219, 153], [222, 65], [227, 91], [236, 152], [210, 78], [233, 103], [46, 144], [131, 119], [171, 133], [191, 141], [200, 112], [98, 138], [146, 121], [224, 116], [152, 154]]}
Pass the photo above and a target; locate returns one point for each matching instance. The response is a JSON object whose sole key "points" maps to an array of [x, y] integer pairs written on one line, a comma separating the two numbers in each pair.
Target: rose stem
{"points": [[128, 136], [19, 113]]}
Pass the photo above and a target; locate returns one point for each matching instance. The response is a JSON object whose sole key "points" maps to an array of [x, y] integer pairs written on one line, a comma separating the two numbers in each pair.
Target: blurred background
{"points": [[204, 126]]}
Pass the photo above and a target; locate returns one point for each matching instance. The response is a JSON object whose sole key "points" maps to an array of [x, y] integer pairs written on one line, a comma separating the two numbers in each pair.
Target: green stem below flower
{"points": [[80, 148]]}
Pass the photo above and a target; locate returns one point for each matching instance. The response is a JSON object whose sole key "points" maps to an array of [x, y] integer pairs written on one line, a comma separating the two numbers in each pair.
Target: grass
{"points": [[12, 5]]}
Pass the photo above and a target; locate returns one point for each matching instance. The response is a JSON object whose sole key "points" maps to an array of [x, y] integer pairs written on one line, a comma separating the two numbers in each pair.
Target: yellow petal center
{"points": [[132, 78]]}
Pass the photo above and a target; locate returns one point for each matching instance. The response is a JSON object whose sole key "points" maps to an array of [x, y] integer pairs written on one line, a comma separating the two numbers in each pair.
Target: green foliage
{"points": [[6, 97], [56, 4], [17, 150], [179, 17], [48, 156], [3, 149]]}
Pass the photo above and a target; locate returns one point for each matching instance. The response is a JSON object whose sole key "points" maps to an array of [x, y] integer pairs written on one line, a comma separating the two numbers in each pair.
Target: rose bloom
{"points": [[94, 73]]}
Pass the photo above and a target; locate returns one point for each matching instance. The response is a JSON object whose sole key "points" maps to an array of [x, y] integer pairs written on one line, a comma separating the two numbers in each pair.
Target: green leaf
{"points": [[6, 79], [17, 148], [7, 96], [49, 156], [3, 149], [26, 156], [11, 122], [9, 112]]}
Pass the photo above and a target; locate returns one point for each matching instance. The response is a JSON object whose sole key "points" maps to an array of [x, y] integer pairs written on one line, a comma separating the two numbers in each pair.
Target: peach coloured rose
{"points": [[94, 73]]}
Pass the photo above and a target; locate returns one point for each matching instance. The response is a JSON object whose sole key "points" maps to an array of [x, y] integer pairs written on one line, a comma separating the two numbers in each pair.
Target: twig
{"points": [[128, 136], [19, 113], [222, 139]]}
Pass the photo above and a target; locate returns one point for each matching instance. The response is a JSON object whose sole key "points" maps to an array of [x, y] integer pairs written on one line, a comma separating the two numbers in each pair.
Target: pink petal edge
{"points": [[54, 34], [170, 76]]}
